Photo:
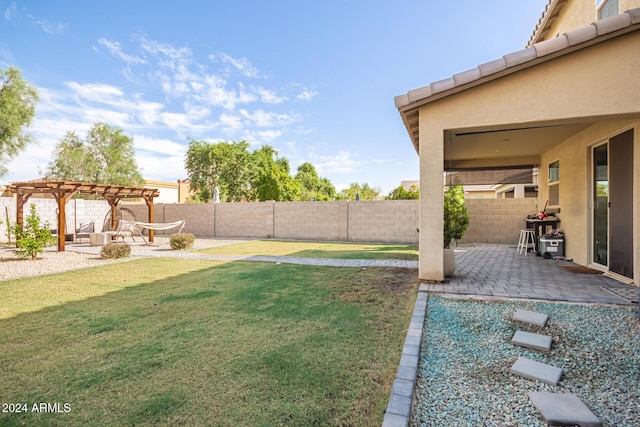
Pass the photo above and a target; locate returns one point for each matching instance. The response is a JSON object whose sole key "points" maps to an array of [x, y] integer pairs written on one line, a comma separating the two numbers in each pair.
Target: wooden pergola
{"points": [[63, 191]]}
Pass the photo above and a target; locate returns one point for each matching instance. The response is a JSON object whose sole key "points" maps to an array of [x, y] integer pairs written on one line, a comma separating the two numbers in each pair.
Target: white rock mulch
{"points": [[52, 261]]}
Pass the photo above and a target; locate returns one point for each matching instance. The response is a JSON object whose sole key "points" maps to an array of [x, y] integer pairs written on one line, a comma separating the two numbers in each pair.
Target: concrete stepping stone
{"points": [[560, 409], [530, 340], [536, 371], [531, 317]]}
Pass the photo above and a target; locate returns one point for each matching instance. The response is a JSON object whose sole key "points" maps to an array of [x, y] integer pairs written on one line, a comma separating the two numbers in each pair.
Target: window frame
{"points": [[553, 180], [601, 4]]}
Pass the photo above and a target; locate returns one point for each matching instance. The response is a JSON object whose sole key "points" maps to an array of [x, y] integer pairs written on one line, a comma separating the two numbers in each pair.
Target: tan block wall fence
{"points": [[497, 220], [392, 221]]}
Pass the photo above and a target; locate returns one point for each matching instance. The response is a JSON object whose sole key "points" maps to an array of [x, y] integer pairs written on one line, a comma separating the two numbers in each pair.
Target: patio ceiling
{"points": [[469, 149]]}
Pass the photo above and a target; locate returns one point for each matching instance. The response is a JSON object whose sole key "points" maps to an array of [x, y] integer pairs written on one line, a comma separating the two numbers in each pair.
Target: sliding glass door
{"points": [[601, 204]]}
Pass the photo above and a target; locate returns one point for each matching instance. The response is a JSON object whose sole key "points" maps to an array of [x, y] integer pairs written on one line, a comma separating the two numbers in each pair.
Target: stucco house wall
{"points": [[576, 14], [575, 189]]}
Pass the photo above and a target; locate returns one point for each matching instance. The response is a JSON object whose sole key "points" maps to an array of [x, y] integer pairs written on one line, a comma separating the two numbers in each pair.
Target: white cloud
{"points": [[243, 65], [179, 97], [113, 118], [339, 163], [263, 136], [115, 50], [96, 92], [161, 146], [6, 58], [148, 112], [263, 118], [269, 96], [169, 56], [307, 95], [230, 122], [161, 168], [49, 27], [11, 11]]}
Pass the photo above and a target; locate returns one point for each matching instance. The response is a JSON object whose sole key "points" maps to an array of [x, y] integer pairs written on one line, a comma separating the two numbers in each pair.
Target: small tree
{"points": [[402, 193], [360, 191], [456, 218], [31, 239]]}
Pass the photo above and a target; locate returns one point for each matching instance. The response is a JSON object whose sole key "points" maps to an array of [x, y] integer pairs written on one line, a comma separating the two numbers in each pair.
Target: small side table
{"points": [[98, 239]]}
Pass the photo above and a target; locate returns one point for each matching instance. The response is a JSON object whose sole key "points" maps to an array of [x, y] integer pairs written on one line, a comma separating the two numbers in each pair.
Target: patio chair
{"points": [[125, 225], [125, 229], [85, 230]]}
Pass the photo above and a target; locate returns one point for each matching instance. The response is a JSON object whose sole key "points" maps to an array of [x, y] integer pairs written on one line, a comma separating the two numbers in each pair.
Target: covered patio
{"points": [[567, 107], [62, 191], [497, 270]]}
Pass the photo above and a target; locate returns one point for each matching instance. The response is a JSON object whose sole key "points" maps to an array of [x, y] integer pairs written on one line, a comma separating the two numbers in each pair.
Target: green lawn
{"points": [[175, 342], [319, 250]]}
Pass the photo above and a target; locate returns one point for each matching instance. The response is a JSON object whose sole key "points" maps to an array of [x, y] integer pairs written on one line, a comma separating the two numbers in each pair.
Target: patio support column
{"points": [[431, 201]]}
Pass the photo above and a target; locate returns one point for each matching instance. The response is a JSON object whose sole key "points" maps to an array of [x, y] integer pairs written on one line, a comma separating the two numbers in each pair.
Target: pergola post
{"points": [[62, 197], [113, 202], [62, 221], [21, 200], [149, 201]]}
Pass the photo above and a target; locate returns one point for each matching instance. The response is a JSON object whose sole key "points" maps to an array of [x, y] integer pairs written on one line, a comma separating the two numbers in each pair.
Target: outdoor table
{"points": [[98, 239], [540, 226]]}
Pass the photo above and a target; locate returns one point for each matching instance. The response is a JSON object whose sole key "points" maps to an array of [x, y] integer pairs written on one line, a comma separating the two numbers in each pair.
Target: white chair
{"points": [[527, 237]]}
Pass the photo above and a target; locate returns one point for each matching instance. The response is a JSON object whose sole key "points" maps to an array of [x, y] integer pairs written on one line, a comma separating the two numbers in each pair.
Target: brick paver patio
{"points": [[499, 271]]}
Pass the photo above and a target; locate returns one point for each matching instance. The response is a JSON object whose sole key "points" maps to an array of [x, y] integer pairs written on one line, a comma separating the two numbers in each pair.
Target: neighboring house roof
{"points": [[599, 31]]}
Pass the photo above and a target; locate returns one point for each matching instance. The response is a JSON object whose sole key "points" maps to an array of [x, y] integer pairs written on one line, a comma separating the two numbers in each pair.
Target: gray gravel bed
{"points": [[464, 379]]}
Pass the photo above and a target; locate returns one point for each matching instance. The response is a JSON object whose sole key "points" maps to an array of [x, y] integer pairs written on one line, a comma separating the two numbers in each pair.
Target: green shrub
{"points": [[31, 239], [456, 218], [115, 250], [181, 240]]}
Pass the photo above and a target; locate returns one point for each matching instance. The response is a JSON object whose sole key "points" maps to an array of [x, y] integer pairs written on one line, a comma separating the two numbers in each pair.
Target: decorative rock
{"points": [[531, 317], [558, 409], [532, 370], [534, 341]]}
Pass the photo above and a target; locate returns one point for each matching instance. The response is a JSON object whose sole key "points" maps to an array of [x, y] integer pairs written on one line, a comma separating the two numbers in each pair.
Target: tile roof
{"points": [[550, 14], [573, 40]]}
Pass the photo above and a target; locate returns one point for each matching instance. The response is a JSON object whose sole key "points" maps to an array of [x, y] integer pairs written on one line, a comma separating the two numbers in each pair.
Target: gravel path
{"points": [[52, 261], [464, 378]]}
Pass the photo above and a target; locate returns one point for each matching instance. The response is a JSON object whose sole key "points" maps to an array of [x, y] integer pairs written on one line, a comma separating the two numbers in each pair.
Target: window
{"points": [[554, 183], [607, 8]]}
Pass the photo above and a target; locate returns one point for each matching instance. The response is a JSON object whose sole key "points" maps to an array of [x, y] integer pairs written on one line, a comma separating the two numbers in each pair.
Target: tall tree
{"points": [[363, 191], [271, 180], [70, 159], [106, 157], [225, 165], [113, 156], [312, 186], [17, 108]]}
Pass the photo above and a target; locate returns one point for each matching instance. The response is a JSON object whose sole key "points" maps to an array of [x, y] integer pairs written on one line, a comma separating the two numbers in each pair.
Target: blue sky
{"points": [[314, 79]]}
